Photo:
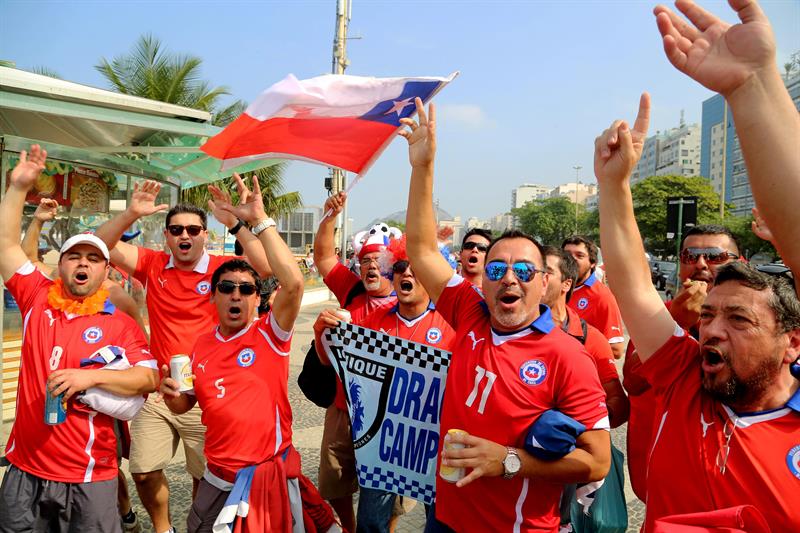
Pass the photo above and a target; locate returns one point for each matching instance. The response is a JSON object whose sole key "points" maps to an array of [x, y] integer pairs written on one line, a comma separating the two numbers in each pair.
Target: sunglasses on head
{"points": [[176, 230], [713, 256], [523, 270], [471, 245], [776, 269], [245, 289], [400, 267]]}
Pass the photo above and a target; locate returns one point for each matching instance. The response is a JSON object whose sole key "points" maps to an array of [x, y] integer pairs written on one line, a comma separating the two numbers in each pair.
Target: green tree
{"points": [[550, 220], [397, 224]]}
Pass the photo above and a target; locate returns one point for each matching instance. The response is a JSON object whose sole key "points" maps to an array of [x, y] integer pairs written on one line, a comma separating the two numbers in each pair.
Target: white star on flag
{"points": [[399, 105]]}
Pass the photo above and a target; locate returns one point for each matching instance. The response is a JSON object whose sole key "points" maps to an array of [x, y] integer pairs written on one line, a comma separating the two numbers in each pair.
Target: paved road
{"points": [[307, 429]]}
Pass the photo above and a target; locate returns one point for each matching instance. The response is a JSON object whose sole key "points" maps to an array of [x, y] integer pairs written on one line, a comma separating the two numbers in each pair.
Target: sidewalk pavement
{"points": [[306, 436]]}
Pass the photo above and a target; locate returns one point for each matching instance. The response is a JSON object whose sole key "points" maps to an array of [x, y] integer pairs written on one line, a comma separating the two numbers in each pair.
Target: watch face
{"points": [[512, 463]]}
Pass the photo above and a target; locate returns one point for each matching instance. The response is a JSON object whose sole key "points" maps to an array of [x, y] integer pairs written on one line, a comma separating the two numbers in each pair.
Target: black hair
{"points": [[712, 229], [591, 247], [783, 300], [566, 265], [186, 208], [517, 234], [234, 265], [480, 232]]}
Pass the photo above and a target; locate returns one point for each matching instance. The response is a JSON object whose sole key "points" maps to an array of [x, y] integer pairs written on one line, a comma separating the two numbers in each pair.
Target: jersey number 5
{"points": [[480, 373], [220, 388]]}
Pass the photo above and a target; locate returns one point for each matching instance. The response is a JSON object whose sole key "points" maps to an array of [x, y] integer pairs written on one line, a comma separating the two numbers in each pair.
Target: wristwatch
{"points": [[511, 464], [261, 226], [234, 230]]}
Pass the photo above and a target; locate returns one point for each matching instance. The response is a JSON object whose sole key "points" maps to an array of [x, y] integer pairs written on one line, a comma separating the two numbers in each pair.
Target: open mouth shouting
{"points": [[713, 360], [473, 260], [184, 246], [234, 312], [81, 278], [508, 300], [406, 286]]}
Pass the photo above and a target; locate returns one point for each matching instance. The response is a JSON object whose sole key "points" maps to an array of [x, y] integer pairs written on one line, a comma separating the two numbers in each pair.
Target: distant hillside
{"points": [[401, 216]]}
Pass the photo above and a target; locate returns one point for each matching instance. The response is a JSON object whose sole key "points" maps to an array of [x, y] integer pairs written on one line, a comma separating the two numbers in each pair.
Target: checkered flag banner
{"points": [[394, 390]]}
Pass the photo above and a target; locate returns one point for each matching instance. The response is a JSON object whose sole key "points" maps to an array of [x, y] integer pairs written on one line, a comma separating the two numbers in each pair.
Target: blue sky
{"points": [[539, 79]]}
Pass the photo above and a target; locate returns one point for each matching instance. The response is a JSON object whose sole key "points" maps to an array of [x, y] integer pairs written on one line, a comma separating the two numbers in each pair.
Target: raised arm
{"points": [[253, 250], [616, 152], [324, 247], [432, 270], [286, 306], [738, 61], [23, 176], [45, 211], [142, 204]]}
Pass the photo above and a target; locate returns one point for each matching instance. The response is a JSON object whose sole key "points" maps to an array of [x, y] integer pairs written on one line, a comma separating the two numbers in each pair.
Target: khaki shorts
{"points": [[337, 461], [155, 433]]}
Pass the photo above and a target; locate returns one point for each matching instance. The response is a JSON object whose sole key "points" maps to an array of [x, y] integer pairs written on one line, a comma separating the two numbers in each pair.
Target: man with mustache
{"points": [[63, 477], [414, 318], [360, 296], [473, 254], [509, 365], [179, 308]]}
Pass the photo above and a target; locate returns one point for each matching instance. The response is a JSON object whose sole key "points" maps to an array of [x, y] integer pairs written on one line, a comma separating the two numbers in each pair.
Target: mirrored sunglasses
{"points": [[523, 270], [713, 256], [245, 289]]}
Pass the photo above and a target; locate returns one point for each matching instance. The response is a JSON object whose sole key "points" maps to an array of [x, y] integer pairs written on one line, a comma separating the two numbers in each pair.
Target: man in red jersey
{"points": [[728, 420], [178, 289], [413, 318], [591, 299], [64, 477], [360, 296], [562, 271], [509, 364], [473, 254], [241, 373]]}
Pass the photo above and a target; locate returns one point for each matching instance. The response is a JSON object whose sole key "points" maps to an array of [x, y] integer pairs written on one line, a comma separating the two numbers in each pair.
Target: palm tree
{"points": [[152, 72]]}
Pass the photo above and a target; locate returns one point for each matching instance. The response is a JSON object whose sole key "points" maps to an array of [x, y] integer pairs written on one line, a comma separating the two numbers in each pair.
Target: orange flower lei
{"points": [[87, 306]]}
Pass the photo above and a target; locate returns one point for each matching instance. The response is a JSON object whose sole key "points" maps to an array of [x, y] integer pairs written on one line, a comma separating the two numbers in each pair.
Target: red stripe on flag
{"points": [[347, 143]]}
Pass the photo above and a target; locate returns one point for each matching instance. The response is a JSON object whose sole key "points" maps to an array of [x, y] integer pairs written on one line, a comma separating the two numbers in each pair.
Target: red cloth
{"points": [[740, 519], [317, 514]]}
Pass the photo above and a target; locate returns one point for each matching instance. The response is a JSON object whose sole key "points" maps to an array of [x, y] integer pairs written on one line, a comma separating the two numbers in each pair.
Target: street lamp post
{"points": [[577, 184]]}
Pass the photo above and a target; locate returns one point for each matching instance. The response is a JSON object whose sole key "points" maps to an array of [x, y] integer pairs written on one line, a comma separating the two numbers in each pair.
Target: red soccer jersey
{"points": [[83, 448], [428, 328], [341, 281], [596, 305], [178, 301], [241, 384], [685, 474], [596, 344], [497, 386]]}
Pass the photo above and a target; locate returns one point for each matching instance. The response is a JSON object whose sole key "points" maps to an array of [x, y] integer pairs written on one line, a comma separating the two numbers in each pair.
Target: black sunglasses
{"points": [[523, 270], [470, 245], [245, 289], [714, 256], [400, 267], [176, 230]]}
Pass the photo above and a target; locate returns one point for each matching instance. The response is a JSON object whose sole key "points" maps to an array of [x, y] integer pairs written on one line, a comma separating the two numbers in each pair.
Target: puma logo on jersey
{"points": [[49, 314], [475, 341], [704, 424], [202, 366], [162, 282], [615, 328]]}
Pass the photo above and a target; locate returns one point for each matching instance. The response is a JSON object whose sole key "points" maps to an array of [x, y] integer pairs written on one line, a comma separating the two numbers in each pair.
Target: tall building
{"points": [[721, 159], [299, 227], [574, 192], [502, 222], [527, 192], [673, 152]]}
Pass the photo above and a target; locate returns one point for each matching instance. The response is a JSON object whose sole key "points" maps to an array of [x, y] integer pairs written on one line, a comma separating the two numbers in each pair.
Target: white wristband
{"points": [[261, 226]]}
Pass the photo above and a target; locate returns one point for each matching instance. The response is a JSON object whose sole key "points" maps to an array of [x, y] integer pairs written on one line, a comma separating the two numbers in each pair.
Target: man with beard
{"points": [[360, 296], [63, 475], [704, 249], [413, 318], [728, 406], [178, 290], [473, 254], [591, 298], [509, 365]]}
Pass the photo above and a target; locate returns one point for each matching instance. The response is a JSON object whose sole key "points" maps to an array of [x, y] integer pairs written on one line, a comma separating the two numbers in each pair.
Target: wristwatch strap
{"points": [[234, 230], [264, 224]]}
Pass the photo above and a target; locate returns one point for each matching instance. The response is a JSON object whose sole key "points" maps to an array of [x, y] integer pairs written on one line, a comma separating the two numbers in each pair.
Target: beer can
{"points": [[55, 409], [180, 369], [451, 473], [345, 315]]}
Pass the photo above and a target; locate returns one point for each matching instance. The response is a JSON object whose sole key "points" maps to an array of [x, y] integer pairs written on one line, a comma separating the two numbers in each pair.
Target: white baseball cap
{"points": [[86, 238]]}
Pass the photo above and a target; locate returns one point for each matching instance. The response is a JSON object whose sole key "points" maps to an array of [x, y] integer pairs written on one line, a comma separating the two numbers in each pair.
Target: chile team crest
{"points": [[433, 336], [92, 335], [583, 303], [533, 372], [793, 461], [203, 288], [246, 358]]}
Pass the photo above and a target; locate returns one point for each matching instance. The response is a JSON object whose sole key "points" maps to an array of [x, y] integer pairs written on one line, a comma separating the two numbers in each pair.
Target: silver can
{"points": [[180, 369], [345, 315], [452, 473]]}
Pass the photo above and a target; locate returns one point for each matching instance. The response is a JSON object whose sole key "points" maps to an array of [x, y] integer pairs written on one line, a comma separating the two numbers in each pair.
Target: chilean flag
{"points": [[336, 120]]}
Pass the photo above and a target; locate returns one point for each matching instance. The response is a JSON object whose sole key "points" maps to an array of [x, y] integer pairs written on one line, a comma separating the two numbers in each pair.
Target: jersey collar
{"points": [[411, 321], [201, 267], [542, 324], [794, 401], [591, 280]]}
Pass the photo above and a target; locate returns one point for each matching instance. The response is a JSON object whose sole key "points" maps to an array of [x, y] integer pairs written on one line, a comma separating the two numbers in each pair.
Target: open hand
{"points": [[30, 165], [720, 56], [46, 210], [421, 136], [220, 198], [483, 456], [618, 149], [251, 203], [143, 199]]}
